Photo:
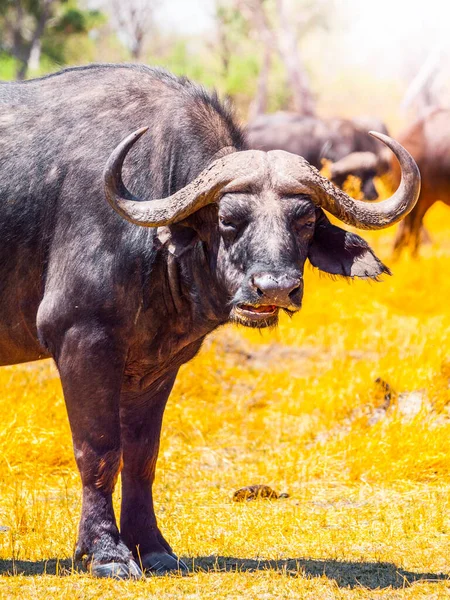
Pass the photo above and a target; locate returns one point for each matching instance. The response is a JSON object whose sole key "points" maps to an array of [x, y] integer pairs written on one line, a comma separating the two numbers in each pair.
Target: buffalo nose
{"points": [[282, 290]]}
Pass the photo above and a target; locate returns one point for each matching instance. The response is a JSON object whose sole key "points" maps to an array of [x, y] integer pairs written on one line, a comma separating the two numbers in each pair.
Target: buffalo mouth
{"points": [[258, 311], [255, 315]]}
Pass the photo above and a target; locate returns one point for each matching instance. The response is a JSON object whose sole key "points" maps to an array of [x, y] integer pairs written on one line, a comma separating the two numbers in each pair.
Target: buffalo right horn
{"points": [[303, 178], [239, 168]]}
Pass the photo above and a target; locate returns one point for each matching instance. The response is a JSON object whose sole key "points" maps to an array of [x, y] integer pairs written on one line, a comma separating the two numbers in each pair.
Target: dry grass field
{"points": [[367, 470]]}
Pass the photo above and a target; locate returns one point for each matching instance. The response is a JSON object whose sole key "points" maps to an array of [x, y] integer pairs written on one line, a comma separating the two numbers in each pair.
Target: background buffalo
{"points": [[344, 142], [428, 140]]}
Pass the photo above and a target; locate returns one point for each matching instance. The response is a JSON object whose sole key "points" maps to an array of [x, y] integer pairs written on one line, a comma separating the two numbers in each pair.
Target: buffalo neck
{"points": [[181, 304], [198, 303]]}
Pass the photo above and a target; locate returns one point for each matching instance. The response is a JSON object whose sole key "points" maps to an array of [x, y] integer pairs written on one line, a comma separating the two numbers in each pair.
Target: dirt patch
{"points": [[276, 356]]}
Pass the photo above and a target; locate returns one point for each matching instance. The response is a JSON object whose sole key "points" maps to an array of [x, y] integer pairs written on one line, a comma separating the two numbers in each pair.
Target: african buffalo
{"points": [[342, 141], [122, 291], [428, 140]]}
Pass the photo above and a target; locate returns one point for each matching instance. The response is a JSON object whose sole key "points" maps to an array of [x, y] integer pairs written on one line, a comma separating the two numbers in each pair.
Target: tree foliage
{"points": [[276, 27], [35, 29], [134, 22]]}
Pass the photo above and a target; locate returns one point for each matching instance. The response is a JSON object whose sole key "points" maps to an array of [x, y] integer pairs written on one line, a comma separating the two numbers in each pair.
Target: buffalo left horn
{"points": [[301, 177], [237, 167]]}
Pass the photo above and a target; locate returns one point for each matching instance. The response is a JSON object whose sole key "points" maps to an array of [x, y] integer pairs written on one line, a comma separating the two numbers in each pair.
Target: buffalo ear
{"points": [[340, 252], [177, 238], [182, 236]]}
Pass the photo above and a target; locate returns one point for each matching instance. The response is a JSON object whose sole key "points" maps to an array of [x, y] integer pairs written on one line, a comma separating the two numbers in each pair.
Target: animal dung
{"points": [[255, 492]]}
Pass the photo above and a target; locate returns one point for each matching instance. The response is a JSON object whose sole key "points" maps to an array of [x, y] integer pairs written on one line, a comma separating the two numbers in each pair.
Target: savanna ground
{"points": [[367, 473]]}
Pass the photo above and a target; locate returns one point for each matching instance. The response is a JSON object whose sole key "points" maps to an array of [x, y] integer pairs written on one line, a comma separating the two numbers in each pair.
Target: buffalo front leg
{"points": [[91, 366], [411, 232], [141, 420]]}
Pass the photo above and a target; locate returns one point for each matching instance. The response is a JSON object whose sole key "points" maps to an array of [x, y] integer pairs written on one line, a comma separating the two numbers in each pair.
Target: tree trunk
{"points": [[224, 47], [19, 46], [419, 90], [260, 103], [254, 11], [23, 50], [35, 56], [137, 49], [284, 39], [303, 100]]}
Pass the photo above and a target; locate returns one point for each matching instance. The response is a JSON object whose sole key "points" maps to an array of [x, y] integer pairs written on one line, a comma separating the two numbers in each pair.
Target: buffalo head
{"points": [[260, 217]]}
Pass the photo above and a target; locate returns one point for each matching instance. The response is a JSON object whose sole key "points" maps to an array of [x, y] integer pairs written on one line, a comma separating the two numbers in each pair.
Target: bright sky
{"points": [[187, 16], [392, 32], [395, 30]]}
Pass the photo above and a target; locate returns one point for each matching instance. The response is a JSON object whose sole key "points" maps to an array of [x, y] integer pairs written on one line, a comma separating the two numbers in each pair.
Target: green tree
{"points": [[31, 27], [134, 22], [275, 27]]}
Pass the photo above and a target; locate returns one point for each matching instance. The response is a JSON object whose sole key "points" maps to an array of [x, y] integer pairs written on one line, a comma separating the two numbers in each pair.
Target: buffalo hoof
{"points": [[116, 570], [161, 563]]}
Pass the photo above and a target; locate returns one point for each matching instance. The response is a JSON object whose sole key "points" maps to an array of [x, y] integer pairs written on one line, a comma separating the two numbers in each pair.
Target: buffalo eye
{"points": [[228, 224], [229, 228], [235, 223], [304, 224], [309, 225]]}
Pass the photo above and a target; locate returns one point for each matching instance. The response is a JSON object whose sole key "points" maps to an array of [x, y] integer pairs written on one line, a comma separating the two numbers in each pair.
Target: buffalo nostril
{"points": [[295, 292], [257, 284]]}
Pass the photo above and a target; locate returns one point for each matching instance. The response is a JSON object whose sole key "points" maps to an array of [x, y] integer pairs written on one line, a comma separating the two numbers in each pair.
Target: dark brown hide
{"points": [[428, 140]]}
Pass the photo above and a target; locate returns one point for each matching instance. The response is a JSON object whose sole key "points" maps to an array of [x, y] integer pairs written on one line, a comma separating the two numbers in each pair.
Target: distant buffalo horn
{"points": [[365, 215], [353, 162], [238, 167]]}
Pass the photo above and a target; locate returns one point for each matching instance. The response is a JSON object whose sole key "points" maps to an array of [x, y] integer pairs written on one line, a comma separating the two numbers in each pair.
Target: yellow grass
{"points": [[297, 409]]}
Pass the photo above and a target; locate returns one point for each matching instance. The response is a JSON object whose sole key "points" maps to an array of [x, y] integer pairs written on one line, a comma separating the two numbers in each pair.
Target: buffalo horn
{"points": [[364, 215], [236, 167]]}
